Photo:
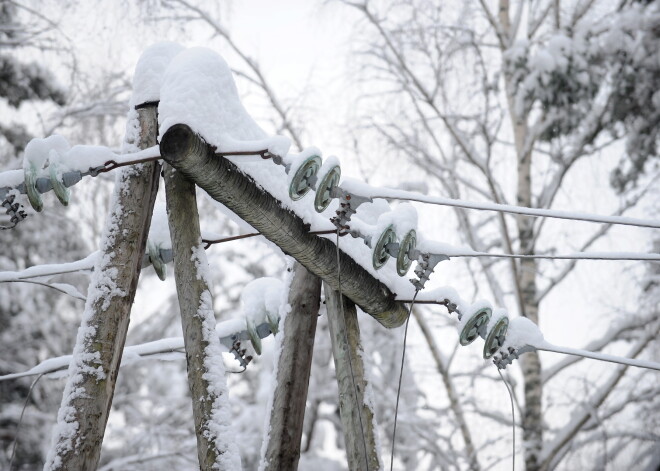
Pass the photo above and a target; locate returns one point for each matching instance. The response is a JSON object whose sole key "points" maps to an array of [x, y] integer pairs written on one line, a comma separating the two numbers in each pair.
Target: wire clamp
{"points": [[505, 357], [348, 204], [13, 210], [239, 354], [426, 263]]}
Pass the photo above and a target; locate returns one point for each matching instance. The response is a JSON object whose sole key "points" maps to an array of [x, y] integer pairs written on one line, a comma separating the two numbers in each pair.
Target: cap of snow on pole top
{"points": [[198, 90], [149, 72]]}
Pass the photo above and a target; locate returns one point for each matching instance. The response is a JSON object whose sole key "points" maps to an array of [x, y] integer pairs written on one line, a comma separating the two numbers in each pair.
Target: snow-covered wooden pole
{"points": [[206, 374], [88, 393], [181, 147], [293, 367], [355, 400]]}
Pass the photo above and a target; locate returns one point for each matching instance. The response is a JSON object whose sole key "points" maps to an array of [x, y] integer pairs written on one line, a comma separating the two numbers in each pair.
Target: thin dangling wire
{"points": [[513, 421], [398, 392], [20, 420], [350, 360]]}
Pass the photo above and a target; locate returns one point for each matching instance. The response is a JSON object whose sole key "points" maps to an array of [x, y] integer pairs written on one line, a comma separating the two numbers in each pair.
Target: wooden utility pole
{"points": [[208, 388], [224, 182], [87, 398], [355, 404], [293, 368]]}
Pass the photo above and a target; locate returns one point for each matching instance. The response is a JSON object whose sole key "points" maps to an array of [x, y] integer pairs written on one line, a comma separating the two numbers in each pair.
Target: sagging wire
{"points": [[232, 341], [349, 356], [513, 421], [398, 391], [20, 421]]}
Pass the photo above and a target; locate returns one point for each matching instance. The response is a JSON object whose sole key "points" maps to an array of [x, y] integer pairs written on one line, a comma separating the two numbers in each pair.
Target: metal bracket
{"points": [[348, 204], [503, 358], [14, 211], [233, 341], [426, 263]]}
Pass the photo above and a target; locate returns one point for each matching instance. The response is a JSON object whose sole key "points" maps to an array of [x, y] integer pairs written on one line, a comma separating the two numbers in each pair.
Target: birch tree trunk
{"points": [[532, 420], [355, 399], [206, 373], [87, 397], [293, 368]]}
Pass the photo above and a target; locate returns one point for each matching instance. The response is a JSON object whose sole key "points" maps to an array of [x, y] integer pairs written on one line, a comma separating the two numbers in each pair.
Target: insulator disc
{"points": [[273, 323], [34, 197], [475, 326], [323, 189], [300, 183], [380, 254], [408, 243], [156, 260], [61, 191], [495, 337], [254, 336]]}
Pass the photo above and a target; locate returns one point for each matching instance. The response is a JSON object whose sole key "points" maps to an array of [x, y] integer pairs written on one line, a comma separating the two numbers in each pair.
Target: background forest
{"points": [[541, 103]]}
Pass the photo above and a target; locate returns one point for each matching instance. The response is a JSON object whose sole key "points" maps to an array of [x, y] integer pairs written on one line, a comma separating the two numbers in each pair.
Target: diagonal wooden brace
{"points": [[186, 151]]}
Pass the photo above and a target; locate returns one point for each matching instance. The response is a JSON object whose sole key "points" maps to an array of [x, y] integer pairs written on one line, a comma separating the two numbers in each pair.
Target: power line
{"points": [[389, 193], [574, 256], [398, 390], [513, 422], [651, 365]]}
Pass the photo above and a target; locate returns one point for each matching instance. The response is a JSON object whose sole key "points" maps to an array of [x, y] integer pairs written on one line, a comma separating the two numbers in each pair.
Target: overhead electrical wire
{"points": [[387, 193]]}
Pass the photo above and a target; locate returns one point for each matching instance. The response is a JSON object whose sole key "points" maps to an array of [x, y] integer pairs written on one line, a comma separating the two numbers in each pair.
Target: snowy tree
{"points": [[503, 101], [490, 102], [35, 322]]}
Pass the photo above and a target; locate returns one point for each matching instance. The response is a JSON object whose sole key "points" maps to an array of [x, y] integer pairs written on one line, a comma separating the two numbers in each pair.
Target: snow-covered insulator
{"points": [[475, 325], [61, 191], [406, 248], [273, 322], [157, 260], [254, 336], [497, 328], [302, 180], [328, 180], [380, 252], [34, 197]]}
